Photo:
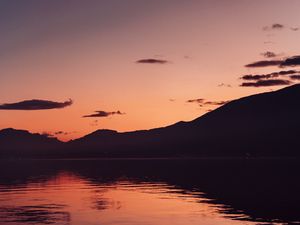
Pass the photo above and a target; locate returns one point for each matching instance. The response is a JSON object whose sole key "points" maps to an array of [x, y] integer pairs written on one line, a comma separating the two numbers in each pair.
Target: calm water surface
{"points": [[207, 192]]}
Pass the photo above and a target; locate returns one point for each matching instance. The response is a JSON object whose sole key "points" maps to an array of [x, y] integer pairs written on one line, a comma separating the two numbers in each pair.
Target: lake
{"points": [[150, 191]]}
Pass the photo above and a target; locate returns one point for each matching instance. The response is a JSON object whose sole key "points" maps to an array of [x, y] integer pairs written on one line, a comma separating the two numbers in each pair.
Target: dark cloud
{"points": [[266, 83], [256, 77], [292, 61], [275, 26], [216, 102], [294, 28], [152, 61], [202, 102], [286, 72], [269, 54], [269, 75], [295, 77], [264, 63], [35, 104], [198, 100], [103, 114]]}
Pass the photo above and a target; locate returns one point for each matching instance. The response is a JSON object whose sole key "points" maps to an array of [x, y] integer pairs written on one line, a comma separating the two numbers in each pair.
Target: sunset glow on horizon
{"points": [[69, 68]]}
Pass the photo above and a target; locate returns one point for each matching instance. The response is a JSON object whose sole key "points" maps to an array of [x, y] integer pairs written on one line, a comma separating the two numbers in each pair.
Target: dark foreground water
{"points": [[138, 192]]}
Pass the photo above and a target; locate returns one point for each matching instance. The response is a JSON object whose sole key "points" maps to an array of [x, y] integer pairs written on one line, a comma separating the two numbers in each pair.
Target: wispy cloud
{"points": [[266, 83], [224, 85], [295, 77], [103, 114], [152, 61], [277, 26], [264, 63], [256, 77], [216, 102], [269, 54], [285, 72], [291, 61], [197, 100], [202, 102], [269, 75], [274, 26], [35, 104]]}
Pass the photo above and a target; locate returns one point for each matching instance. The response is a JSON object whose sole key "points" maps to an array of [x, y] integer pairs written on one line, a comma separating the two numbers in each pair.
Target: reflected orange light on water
{"points": [[69, 199]]}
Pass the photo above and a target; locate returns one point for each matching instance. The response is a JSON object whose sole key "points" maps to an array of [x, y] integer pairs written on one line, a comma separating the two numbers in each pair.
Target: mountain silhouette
{"points": [[21, 143], [261, 125]]}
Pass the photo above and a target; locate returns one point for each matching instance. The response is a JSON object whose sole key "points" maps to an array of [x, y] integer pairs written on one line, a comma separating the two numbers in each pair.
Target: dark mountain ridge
{"points": [[21, 143], [263, 125]]}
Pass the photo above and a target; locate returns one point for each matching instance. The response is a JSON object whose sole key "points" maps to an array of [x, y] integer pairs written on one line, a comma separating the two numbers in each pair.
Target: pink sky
{"points": [[87, 51]]}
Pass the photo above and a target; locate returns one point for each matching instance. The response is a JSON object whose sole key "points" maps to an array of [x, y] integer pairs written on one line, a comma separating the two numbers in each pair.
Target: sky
{"points": [[68, 68]]}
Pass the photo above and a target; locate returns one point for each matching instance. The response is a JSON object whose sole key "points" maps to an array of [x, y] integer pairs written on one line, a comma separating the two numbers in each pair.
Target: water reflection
{"points": [[39, 214], [149, 192]]}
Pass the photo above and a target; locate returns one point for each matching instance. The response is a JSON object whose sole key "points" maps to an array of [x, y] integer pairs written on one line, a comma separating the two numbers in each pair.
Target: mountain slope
{"points": [[265, 124], [21, 143], [259, 125]]}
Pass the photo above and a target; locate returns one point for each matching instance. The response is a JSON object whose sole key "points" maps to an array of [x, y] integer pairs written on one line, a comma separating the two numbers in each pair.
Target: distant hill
{"points": [[266, 124], [20, 143]]}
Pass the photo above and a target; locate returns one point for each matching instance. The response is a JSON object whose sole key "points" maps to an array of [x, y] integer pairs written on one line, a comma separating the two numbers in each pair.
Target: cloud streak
{"points": [[264, 63], [291, 61], [277, 26], [198, 100], [270, 79], [269, 54], [202, 102], [269, 75], [256, 77], [266, 83], [152, 61], [224, 85], [101, 113], [285, 72], [216, 102], [274, 26], [35, 104], [295, 77]]}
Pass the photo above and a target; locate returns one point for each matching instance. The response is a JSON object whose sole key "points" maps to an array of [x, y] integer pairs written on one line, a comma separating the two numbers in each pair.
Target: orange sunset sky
{"points": [[145, 59]]}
